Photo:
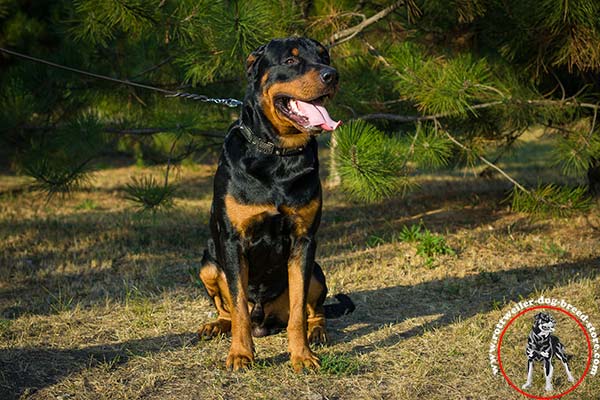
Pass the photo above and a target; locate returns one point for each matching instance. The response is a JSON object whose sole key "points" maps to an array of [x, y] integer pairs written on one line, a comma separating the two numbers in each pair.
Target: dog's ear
{"points": [[252, 61], [322, 50], [538, 317]]}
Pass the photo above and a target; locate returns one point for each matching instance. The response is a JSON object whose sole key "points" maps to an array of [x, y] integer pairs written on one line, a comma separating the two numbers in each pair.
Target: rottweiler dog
{"points": [[259, 267], [543, 346]]}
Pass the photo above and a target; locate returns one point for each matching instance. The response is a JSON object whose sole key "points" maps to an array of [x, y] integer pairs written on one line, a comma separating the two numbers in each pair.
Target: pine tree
{"points": [[478, 74], [55, 123], [436, 83]]}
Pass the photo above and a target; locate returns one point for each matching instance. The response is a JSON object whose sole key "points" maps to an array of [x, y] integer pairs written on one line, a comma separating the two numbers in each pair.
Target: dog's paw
{"points": [[317, 335], [548, 388], [306, 360], [571, 379], [215, 328], [239, 362], [526, 385]]}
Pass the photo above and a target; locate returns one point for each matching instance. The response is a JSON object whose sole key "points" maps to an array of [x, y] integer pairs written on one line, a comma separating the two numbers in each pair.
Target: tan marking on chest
{"points": [[243, 216], [303, 217]]}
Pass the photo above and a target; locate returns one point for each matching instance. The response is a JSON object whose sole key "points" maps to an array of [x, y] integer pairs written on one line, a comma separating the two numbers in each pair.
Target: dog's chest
{"points": [[540, 344], [272, 219]]}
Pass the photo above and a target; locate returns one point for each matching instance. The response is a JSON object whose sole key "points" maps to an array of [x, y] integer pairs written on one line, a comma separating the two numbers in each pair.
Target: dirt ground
{"points": [[98, 302]]}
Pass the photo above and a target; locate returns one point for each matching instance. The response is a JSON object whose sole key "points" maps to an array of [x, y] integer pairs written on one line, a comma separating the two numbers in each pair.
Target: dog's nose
{"points": [[329, 75]]}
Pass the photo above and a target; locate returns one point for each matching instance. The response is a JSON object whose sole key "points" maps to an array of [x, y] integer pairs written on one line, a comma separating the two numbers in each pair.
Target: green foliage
{"points": [[369, 164], [149, 195], [87, 204], [56, 177], [410, 234], [428, 245], [551, 200], [554, 33], [99, 21], [220, 35], [16, 103], [59, 163], [574, 153], [440, 85], [373, 166], [431, 149], [487, 69], [5, 6], [339, 364], [554, 249], [366, 87], [374, 241]]}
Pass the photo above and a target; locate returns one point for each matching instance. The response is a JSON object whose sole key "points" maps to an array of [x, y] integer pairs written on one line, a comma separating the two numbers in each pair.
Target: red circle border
{"points": [[589, 361]]}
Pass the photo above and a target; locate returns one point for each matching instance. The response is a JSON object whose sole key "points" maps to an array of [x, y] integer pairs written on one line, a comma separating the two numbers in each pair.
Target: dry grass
{"points": [[97, 302]]}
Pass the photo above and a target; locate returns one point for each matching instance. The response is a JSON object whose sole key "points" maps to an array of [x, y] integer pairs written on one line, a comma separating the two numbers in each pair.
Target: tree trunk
{"points": [[334, 176]]}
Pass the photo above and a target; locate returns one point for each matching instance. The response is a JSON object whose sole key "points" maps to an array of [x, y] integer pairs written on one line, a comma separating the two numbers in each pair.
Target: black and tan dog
{"points": [[260, 267], [543, 346]]}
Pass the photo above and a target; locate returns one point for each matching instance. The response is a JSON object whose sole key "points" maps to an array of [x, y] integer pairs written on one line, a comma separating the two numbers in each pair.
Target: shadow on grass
{"points": [[23, 371], [183, 238], [169, 245], [92, 256], [441, 211], [452, 299]]}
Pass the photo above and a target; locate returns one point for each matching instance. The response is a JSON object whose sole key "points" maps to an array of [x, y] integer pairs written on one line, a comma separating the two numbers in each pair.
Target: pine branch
{"points": [[541, 103], [480, 157], [413, 118], [148, 194], [61, 179], [347, 34], [548, 199], [563, 102], [512, 138]]}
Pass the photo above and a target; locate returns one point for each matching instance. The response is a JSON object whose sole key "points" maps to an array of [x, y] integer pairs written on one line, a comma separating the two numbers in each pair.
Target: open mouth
{"points": [[547, 328], [308, 114]]}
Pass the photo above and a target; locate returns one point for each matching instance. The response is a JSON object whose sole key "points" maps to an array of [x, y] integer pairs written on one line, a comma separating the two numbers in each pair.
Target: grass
{"points": [[428, 245], [97, 302]]}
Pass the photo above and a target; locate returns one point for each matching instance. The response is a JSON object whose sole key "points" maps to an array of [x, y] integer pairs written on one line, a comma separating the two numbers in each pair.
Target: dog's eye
{"points": [[290, 61]]}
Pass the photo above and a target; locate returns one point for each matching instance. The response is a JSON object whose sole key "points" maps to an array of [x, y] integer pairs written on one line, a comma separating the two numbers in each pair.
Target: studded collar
{"points": [[264, 146]]}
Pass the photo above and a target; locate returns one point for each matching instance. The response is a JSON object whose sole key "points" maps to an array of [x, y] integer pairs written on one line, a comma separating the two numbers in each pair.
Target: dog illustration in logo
{"points": [[543, 346]]}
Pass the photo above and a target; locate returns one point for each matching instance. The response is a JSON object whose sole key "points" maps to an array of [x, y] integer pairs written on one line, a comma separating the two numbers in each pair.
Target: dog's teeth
{"points": [[294, 107]]}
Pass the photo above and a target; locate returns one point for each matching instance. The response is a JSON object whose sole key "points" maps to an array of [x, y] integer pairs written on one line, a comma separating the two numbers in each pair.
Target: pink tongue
{"points": [[317, 115]]}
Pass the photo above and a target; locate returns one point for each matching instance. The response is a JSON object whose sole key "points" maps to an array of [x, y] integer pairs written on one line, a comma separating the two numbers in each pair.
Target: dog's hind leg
{"points": [[548, 370], [529, 375], [215, 284], [561, 353], [568, 370]]}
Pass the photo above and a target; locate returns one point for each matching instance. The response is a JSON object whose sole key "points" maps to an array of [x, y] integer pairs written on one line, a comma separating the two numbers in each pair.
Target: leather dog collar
{"points": [[263, 145]]}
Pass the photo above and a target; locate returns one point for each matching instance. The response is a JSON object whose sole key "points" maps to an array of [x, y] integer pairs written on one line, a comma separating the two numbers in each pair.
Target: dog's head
{"points": [[290, 80], [543, 324]]}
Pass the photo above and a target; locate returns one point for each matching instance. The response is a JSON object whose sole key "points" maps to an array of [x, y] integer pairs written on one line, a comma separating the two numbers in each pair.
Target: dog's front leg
{"points": [[300, 267], [241, 353], [548, 370], [529, 374]]}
